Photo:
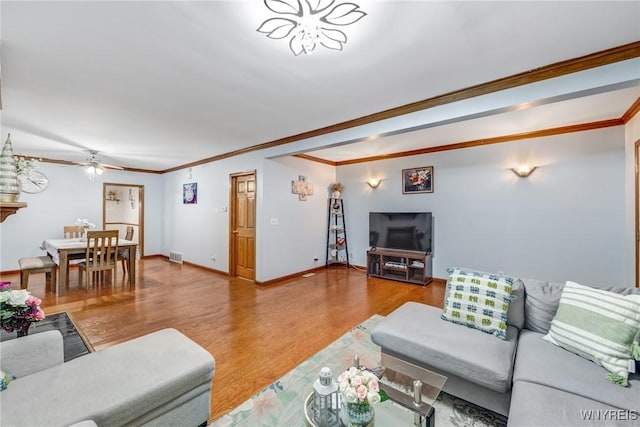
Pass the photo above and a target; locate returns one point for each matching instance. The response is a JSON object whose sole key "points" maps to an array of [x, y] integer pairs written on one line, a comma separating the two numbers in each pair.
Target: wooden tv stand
{"points": [[404, 266]]}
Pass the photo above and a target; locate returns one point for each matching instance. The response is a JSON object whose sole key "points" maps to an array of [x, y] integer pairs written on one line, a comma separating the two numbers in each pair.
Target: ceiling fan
{"points": [[96, 167]]}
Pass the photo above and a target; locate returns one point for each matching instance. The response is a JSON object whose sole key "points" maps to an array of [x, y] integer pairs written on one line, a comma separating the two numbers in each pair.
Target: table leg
{"points": [[63, 263], [131, 265]]}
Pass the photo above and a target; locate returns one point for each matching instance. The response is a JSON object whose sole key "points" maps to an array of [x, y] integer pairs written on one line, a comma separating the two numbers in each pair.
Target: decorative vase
{"points": [[9, 187], [24, 331], [360, 415]]}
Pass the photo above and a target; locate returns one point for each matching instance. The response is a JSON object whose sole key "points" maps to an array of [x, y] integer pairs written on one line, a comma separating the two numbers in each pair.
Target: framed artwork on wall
{"points": [[417, 180], [190, 193]]}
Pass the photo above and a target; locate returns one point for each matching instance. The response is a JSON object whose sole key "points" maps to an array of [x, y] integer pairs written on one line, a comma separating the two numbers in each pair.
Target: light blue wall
{"points": [[72, 195], [632, 135], [201, 231], [568, 220], [565, 222]]}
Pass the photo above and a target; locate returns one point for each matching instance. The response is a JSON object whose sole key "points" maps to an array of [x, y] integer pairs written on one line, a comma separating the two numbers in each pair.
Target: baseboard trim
{"points": [[289, 276], [213, 270]]}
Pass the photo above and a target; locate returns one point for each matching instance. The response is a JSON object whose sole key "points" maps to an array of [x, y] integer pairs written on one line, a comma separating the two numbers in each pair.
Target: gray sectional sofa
{"points": [[533, 381], [162, 379]]}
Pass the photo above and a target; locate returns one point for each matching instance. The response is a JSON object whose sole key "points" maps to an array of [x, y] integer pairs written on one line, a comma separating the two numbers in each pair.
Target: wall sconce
{"points": [[524, 170], [374, 182]]}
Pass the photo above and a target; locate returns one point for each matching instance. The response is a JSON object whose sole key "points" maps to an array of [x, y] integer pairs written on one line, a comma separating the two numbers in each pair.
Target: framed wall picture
{"points": [[190, 193], [417, 180]]}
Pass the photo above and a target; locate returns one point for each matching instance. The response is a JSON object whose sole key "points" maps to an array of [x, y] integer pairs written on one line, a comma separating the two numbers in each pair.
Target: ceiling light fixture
{"points": [[524, 170], [94, 171], [310, 22]]}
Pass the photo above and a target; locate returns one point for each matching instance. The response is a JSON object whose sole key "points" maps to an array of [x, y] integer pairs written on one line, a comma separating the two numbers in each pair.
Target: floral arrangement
{"points": [[337, 187], [359, 386], [419, 178], [18, 308], [24, 165], [83, 222]]}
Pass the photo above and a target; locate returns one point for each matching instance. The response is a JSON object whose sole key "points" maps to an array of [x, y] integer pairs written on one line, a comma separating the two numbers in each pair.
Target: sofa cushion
{"points": [[416, 332], [541, 302], [541, 362], [516, 315], [5, 379], [542, 299], [535, 405], [119, 385], [478, 300], [598, 325]]}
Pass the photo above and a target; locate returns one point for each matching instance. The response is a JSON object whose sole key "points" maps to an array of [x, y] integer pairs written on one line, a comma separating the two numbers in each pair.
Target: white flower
{"points": [[24, 166], [83, 222], [359, 386], [4, 296], [350, 395], [373, 397], [18, 297]]}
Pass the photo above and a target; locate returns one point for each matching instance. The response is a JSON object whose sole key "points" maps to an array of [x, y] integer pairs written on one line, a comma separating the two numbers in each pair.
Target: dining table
{"points": [[63, 250]]}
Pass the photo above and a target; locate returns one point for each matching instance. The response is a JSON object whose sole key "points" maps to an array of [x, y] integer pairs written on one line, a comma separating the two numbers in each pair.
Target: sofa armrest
{"points": [[33, 353]]}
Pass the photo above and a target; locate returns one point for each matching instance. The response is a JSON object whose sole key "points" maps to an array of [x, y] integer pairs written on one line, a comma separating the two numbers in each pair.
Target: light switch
{"points": [[275, 221]]}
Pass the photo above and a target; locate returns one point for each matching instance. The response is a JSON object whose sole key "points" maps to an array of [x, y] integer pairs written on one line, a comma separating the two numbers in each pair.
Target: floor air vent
{"points": [[175, 257]]}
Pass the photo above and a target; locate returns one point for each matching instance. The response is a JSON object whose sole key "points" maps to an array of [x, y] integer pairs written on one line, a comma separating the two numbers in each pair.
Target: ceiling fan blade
{"points": [[104, 165]]}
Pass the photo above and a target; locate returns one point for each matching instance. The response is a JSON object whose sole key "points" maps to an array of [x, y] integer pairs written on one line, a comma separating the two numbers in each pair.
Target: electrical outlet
{"points": [[213, 258]]}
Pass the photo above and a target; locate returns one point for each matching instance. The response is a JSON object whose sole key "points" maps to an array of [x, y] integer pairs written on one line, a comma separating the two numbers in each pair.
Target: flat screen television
{"points": [[409, 231]]}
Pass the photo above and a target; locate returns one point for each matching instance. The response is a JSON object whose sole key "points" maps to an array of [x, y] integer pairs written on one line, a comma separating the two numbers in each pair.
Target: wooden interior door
{"points": [[243, 226]]}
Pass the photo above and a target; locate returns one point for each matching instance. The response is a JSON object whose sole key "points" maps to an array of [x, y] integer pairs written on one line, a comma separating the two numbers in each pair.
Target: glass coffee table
{"points": [[412, 391]]}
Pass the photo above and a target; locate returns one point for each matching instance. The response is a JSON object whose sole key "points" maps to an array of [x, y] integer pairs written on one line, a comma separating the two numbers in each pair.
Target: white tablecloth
{"points": [[53, 245]]}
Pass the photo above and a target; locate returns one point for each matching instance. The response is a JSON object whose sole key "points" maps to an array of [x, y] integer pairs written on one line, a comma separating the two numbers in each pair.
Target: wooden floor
{"points": [[256, 334]]}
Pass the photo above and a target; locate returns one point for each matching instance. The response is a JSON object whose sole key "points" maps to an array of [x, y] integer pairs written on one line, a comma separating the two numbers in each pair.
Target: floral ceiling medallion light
{"points": [[310, 22]]}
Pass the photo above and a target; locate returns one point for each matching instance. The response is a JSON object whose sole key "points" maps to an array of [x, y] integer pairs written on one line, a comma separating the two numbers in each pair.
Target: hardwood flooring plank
{"points": [[256, 333]]}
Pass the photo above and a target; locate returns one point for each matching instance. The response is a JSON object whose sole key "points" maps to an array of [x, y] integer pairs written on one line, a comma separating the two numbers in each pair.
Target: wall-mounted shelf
{"points": [[113, 200], [9, 208]]}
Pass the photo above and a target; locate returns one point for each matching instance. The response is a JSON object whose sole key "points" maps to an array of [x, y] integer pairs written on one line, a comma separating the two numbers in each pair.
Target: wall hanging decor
{"points": [[417, 180], [190, 193], [302, 188], [9, 185]]}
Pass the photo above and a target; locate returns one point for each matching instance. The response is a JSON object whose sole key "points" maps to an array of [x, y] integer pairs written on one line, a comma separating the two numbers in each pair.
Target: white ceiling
{"points": [[156, 84]]}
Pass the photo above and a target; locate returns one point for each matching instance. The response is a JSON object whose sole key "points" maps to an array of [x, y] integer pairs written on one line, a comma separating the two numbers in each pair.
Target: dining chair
{"points": [[73, 231], [101, 256], [123, 254]]}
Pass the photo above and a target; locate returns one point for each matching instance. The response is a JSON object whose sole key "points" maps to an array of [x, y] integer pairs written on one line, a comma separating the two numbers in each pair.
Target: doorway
{"points": [[242, 223], [122, 207]]}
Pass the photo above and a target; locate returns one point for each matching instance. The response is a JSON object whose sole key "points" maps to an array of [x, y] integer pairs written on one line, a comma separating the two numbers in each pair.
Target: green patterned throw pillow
{"points": [[478, 300], [600, 326]]}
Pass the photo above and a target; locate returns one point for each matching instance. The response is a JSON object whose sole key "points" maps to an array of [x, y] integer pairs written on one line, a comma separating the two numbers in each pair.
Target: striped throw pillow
{"points": [[478, 300], [598, 325]]}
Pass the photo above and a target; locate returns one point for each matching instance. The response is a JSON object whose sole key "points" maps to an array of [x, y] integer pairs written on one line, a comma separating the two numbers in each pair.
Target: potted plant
{"points": [[360, 390], [336, 190]]}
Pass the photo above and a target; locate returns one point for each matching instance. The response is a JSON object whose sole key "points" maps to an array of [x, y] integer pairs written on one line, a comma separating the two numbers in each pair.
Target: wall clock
{"points": [[33, 182]]}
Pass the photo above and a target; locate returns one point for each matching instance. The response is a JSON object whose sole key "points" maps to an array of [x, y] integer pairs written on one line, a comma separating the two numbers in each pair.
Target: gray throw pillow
{"points": [[542, 299]]}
